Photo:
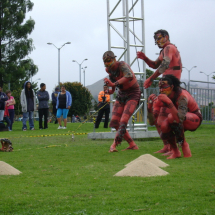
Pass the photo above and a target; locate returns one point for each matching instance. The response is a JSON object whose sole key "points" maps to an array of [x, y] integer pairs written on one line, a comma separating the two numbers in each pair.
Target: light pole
{"points": [[84, 74], [59, 58], [189, 76], [79, 68], [207, 77]]}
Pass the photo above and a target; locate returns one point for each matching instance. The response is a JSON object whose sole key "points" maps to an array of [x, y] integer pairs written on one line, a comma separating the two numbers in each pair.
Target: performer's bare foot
{"points": [[167, 153], [186, 150], [176, 154], [165, 149], [134, 147], [113, 149]]}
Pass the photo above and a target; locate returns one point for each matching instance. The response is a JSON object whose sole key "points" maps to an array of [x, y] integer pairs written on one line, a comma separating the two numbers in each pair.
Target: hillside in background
{"points": [[98, 86]]}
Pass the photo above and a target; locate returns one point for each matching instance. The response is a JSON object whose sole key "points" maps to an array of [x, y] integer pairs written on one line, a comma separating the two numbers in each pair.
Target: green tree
{"points": [[15, 45], [81, 98]]}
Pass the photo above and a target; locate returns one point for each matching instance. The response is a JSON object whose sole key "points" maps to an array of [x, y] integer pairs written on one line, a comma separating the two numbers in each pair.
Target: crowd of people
{"points": [[61, 101]]}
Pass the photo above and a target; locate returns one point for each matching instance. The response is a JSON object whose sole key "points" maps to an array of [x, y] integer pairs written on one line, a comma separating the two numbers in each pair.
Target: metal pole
{"points": [[84, 77], [188, 80], [80, 73], [59, 67], [144, 65]]}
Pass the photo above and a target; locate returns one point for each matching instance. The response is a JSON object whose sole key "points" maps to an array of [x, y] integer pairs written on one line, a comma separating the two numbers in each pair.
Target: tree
{"points": [[81, 98], [15, 45]]}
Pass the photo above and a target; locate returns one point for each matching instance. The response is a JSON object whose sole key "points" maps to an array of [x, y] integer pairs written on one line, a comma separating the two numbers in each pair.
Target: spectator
{"points": [[64, 102], [78, 118], [43, 109], [28, 103], [6, 118], [10, 106], [73, 118], [104, 99], [54, 102], [3, 99]]}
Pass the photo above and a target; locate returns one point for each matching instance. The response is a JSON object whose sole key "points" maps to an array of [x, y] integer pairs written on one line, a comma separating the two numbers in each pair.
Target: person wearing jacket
{"points": [[54, 102], [64, 102], [3, 99], [28, 103], [43, 109], [104, 107]]}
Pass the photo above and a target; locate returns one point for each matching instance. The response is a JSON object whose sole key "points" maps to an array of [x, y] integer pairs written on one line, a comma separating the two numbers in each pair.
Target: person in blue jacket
{"points": [[64, 102]]}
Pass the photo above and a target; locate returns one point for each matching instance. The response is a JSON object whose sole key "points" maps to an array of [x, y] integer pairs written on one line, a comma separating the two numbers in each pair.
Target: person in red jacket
{"points": [[183, 114], [104, 107], [168, 62], [122, 77]]}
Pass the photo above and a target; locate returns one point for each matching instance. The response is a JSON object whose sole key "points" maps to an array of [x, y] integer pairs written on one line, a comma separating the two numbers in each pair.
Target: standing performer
{"points": [[168, 62], [184, 114], [122, 77]]}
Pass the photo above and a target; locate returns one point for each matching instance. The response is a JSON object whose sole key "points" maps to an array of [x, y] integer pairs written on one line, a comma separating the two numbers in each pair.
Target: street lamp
{"points": [[207, 77], [189, 76], [59, 58], [84, 74], [79, 68]]}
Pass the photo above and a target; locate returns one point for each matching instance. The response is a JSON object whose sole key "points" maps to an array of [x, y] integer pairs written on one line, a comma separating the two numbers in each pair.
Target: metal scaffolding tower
{"points": [[121, 25]]}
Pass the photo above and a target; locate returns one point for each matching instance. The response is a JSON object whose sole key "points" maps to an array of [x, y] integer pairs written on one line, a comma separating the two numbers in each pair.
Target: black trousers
{"points": [[43, 112], [54, 112], [100, 115]]}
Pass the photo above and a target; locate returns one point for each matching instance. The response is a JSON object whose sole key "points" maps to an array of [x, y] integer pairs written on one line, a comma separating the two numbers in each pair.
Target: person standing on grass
{"points": [[28, 103], [43, 109], [10, 106], [104, 107], [64, 102], [3, 99], [54, 102], [6, 117]]}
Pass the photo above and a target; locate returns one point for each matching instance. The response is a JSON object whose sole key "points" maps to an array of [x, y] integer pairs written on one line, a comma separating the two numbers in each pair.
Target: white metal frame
{"points": [[125, 19]]}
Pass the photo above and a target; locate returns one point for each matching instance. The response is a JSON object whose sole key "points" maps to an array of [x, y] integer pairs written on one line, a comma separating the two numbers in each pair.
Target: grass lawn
{"points": [[64, 177]]}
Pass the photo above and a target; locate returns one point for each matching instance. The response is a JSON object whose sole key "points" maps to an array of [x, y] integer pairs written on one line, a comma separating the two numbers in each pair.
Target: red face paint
{"points": [[108, 61], [165, 88], [160, 40]]}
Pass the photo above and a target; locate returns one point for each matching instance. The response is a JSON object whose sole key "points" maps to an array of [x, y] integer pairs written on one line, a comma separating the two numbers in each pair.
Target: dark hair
{"points": [[162, 32], [57, 88], [7, 91], [63, 86], [172, 80], [42, 85], [108, 54], [105, 85], [30, 90]]}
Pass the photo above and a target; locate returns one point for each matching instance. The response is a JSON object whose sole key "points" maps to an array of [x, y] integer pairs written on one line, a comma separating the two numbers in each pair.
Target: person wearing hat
{"points": [[122, 77], [104, 107], [54, 102]]}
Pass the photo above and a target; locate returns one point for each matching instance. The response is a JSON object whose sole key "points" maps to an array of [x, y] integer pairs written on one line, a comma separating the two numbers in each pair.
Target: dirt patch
{"points": [[151, 159], [6, 169], [141, 168]]}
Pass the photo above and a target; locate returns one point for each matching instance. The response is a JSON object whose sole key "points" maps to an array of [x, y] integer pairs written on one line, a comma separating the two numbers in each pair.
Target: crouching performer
{"points": [[182, 114], [122, 77]]}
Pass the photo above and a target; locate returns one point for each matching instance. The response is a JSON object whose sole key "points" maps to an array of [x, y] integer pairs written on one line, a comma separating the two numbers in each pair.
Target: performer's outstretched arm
{"points": [[153, 64]]}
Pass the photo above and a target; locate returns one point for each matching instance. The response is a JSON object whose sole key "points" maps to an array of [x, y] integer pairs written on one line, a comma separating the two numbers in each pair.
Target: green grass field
{"points": [[60, 176]]}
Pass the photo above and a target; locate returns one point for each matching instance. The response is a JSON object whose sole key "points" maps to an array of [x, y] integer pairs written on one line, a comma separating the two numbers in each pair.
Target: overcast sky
{"points": [[190, 24]]}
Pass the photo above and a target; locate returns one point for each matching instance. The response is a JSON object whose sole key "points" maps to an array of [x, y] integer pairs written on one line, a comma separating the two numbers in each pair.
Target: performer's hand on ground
{"points": [[141, 55], [147, 83], [108, 82]]}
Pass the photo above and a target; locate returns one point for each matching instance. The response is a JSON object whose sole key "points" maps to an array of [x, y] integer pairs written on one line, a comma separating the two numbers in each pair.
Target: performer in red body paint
{"points": [[184, 114], [122, 77], [168, 62]]}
